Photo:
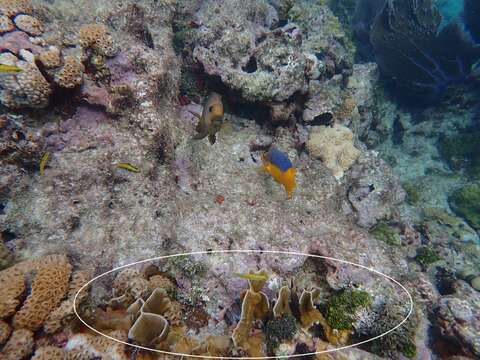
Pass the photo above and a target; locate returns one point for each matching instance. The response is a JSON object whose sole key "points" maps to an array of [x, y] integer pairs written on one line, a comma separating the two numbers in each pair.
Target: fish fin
{"points": [[197, 115], [212, 138]]}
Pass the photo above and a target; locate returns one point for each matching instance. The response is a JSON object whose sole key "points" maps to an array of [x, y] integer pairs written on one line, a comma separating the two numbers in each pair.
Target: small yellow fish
{"points": [[210, 122], [5, 68], [43, 163], [128, 166], [254, 277]]}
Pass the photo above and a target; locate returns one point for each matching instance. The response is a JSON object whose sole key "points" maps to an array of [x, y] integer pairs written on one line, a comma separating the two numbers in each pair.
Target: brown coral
{"points": [[19, 345], [29, 24], [25, 89], [12, 283], [48, 288], [50, 58], [6, 24], [5, 332], [63, 314], [49, 353], [309, 314], [160, 281], [71, 74], [282, 306], [13, 7], [97, 38]]}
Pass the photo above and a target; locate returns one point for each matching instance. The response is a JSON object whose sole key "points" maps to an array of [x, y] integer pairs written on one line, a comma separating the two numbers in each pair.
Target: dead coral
{"points": [[19, 345], [96, 37]]}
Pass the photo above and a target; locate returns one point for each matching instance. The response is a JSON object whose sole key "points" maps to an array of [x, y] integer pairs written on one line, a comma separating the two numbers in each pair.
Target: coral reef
{"points": [[334, 146]]}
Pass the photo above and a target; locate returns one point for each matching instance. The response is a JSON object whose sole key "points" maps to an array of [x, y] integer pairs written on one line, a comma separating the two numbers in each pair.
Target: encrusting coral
{"points": [[87, 346], [5, 332], [11, 8], [49, 353], [29, 24], [19, 345], [27, 88], [334, 146]]}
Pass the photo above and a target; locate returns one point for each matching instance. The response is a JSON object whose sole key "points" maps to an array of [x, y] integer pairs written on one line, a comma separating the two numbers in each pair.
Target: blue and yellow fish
{"points": [[277, 164]]}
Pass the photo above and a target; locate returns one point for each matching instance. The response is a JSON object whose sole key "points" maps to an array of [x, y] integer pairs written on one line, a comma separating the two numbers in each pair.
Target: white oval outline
{"points": [[245, 251]]}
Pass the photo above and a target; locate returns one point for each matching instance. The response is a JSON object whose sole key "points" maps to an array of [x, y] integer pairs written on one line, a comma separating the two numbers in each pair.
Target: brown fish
{"points": [[210, 122]]}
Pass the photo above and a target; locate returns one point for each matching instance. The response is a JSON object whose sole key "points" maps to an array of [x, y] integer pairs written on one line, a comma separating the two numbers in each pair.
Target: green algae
{"points": [[341, 308], [413, 193], [462, 151], [466, 203], [426, 256], [387, 234], [279, 329]]}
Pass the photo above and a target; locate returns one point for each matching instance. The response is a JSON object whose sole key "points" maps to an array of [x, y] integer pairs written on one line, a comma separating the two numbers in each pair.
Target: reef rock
{"points": [[236, 44], [373, 190], [459, 316], [334, 146]]}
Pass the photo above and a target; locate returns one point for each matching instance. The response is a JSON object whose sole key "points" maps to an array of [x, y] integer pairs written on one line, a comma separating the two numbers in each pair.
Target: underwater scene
{"points": [[239, 179]]}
